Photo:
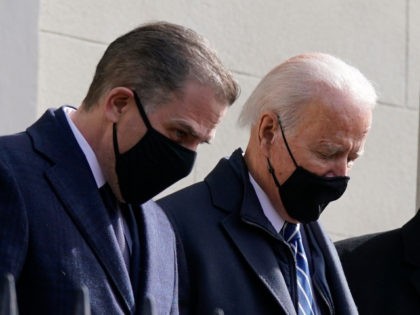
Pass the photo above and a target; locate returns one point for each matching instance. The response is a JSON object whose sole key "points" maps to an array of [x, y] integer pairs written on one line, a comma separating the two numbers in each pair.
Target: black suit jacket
{"points": [[225, 249], [56, 235], [383, 270]]}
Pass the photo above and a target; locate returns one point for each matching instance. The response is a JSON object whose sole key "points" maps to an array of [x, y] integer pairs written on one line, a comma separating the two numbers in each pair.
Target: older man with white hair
{"points": [[249, 240]]}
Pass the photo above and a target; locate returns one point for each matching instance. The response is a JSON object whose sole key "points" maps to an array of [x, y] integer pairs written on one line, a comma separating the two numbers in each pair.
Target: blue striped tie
{"points": [[293, 237]]}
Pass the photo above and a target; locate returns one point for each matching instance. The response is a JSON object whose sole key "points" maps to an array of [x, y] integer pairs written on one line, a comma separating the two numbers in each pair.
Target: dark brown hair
{"points": [[159, 58]]}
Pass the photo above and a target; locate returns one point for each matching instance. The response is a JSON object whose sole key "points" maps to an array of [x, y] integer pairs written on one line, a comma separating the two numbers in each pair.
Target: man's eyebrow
{"points": [[331, 147], [337, 148], [187, 127]]}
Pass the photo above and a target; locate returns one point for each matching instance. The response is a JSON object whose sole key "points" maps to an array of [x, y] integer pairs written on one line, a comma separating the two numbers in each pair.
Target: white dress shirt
{"points": [[94, 167], [269, 211]]}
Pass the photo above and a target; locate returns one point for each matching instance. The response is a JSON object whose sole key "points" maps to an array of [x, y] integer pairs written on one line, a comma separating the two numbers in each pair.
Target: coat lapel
{"points": [[72, 180], [231, 190], [159, 256], [260, 257], [338, 288], [89, 215]]}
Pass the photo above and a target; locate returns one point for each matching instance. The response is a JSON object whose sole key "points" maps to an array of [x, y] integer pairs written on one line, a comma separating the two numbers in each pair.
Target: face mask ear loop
{"points": [[114, 139], [271, 170], [285, 142], [142, 111]]}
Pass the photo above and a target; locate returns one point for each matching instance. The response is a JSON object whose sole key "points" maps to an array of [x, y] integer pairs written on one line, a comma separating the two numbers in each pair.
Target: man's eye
{"points": [[325, 156], [180, 134]]}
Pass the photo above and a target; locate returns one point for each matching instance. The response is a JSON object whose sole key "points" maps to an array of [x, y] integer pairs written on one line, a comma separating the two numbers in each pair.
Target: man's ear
{"points": [[267, 132], [117, 101]]}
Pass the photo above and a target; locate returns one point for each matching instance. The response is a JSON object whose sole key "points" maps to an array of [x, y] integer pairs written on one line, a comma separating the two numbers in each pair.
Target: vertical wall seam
{"points": [[407, 51], [417, 189]]}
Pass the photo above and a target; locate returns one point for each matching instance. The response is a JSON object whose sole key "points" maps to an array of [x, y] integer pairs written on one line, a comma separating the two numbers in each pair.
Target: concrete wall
{"points": [[380, 37], [18, 64]]}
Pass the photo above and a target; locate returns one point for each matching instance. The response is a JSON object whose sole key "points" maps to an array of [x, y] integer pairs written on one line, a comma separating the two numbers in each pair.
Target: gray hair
{"points": [[156, 60], [303, 79]]}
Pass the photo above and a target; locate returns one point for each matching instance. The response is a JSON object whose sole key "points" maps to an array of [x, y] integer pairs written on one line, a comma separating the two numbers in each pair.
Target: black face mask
{"points": [[304, 194], [153, 164]]}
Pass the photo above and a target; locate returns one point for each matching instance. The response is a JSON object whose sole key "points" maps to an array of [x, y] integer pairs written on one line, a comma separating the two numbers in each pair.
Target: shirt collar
{"points": [[269, 211], [86, 148]]}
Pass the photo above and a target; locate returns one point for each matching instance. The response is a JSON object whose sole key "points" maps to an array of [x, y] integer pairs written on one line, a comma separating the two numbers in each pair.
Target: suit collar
{"points": [[231, 190], [269, 211], [86, 148], [225, 183], [73, 183], [52, 137]]}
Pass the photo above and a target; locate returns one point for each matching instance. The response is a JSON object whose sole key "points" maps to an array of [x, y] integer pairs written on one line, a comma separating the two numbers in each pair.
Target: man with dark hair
{"points": [[72, 184], [248, 237]]}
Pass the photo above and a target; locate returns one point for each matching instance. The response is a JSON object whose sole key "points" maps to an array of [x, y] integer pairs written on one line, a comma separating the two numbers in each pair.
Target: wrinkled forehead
{"points": [[337, 106], [330, 121]]}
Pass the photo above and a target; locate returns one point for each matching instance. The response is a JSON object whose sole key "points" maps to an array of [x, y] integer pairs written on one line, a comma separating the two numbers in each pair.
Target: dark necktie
{"points": [[117, 219], [292, 236]]}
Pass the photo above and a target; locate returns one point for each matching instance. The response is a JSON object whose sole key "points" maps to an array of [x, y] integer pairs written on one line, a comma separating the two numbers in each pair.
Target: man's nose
{"points": [[342, 167]]}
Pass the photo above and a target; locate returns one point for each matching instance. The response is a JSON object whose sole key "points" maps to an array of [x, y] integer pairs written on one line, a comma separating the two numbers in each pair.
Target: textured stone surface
{"points": [[18, 64], [414, 54], [253, 37], [67, 68]]}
